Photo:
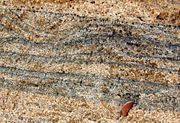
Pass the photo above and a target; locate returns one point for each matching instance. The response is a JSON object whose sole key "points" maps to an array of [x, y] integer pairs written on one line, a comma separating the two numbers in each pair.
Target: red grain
{"points": [[126, 107]]}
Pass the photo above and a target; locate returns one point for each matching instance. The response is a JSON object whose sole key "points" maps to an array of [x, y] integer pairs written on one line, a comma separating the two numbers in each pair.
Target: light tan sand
{"points": [[149, 11], [18, 105]]}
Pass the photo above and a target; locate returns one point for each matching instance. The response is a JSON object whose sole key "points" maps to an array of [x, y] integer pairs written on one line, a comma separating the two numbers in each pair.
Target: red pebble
{"points": [[126, 107]]}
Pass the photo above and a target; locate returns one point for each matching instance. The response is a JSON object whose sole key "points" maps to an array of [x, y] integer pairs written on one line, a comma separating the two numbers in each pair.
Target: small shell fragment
{"points": [[126, 107]]}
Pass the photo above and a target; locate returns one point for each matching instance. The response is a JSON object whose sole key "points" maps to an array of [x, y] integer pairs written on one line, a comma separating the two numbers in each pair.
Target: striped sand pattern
{"points": [[96, 59]]}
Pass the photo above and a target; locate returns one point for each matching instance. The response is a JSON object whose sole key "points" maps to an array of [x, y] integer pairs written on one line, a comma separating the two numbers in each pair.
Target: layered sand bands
{"points": [[80, 61]]}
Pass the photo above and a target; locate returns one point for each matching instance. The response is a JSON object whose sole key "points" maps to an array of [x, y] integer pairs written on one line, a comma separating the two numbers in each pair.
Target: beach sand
{"points": [[80, 61]]}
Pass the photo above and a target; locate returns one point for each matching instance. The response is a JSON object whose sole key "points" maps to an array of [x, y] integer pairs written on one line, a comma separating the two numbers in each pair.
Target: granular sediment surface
{"points": [[96, 59]]}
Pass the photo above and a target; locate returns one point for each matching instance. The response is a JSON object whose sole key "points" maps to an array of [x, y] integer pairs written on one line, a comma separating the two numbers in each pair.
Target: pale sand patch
{"points": [[23, 106], [149, 11]]}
